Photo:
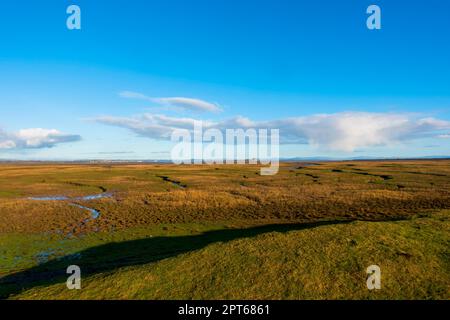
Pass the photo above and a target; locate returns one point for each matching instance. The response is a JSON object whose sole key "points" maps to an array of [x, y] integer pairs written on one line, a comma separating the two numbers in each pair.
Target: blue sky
{"points": [[312, 68]]}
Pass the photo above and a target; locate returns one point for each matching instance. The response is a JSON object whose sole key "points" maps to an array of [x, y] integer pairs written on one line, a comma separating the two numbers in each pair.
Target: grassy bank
{"points": [[325, 261]]}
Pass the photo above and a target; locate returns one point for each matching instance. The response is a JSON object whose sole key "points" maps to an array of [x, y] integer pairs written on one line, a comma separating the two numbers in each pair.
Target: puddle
{"points": [[44, 256], [55, 198], [94, 213], [57, 254], [64, 198], [95, 197]]}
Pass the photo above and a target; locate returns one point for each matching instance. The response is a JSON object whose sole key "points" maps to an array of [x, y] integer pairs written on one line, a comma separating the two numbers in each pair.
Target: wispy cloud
{"points": [[347, 131], [178, 102], [34, 138]]}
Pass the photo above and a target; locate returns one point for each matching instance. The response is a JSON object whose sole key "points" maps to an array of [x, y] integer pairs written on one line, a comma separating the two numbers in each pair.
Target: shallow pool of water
{"points": [[64, 198], [94, 213], [50, 198]]}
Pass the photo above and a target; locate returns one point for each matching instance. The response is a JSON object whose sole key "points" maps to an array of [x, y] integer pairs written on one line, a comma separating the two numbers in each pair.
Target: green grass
{"points": [[230, 233], [325, 261], [9, 194], [19, 251]]}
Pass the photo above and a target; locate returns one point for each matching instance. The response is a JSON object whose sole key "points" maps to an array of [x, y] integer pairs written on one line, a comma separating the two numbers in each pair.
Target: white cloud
{"points": [[189, 103], [347, 131], [134, 95], [178, 102], [7, 144], [353, 130], [34, 138]]}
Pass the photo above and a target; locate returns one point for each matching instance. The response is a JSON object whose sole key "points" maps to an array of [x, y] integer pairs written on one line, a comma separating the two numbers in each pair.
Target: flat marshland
{"points": [[161, 231]]}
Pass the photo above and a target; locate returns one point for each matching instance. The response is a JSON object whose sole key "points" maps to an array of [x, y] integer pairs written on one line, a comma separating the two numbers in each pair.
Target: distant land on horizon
{"points": [[166, 161]]}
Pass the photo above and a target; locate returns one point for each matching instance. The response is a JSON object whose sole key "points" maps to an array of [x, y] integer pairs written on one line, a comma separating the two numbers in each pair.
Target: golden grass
{"points": [[370, 190]]}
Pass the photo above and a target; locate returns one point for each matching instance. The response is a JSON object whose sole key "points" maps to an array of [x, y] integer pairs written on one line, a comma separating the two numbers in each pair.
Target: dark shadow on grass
{"points": [[108, 257]]}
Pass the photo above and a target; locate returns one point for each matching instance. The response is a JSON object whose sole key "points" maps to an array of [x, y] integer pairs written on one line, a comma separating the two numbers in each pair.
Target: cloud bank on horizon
{"points": [[340, 132], [344, 131]]}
